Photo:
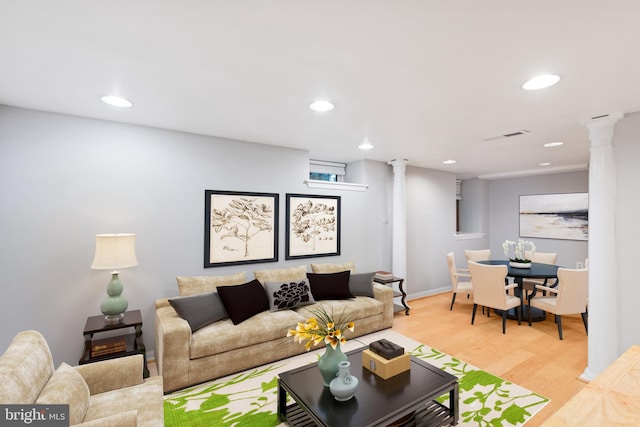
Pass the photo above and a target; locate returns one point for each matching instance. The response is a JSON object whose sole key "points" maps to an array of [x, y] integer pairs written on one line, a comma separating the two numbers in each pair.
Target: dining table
{"points": [[547, 272]]}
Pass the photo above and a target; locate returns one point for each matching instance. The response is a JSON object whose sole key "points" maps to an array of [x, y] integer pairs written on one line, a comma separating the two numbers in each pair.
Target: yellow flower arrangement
{"points": [[322, 327]]}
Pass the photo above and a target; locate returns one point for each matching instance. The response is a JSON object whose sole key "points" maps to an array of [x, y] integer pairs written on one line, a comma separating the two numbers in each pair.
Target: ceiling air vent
{"points": [[507, 135]]}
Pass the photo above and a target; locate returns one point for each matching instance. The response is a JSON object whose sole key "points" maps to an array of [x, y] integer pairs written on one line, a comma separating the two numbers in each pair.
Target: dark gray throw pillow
{"points": [[199, 310], [361, 284], [330, 285], [243, 301], [283, 295]]}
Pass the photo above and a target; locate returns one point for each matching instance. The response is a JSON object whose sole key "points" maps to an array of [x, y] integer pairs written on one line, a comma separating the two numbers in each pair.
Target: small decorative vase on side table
{"points": [[344, 385], [516, 264], [328, 363]]}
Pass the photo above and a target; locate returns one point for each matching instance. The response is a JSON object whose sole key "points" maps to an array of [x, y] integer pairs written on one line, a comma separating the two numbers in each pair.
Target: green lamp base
{"points": [[115, 304]]}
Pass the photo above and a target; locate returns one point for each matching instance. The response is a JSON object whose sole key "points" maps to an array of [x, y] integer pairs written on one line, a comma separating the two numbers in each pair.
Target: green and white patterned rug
{"points": [[249, 398]]}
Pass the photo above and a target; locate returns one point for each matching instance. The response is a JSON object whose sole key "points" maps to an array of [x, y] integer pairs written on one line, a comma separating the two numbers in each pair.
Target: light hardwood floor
{"points": [[533, 357]]}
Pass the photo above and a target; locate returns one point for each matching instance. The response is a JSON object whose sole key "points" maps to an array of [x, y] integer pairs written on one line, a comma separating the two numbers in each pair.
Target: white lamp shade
{"points": [[115, 251]]}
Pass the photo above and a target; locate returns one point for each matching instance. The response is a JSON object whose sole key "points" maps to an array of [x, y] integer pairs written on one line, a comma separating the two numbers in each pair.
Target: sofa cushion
{"points": [[330, 285], [290, 294], [353, 309], [223, 336], [244, 301], [333, 267], [25, 368], [66, 385], [199, 310], [281, 274], [192, 285], [361, 284]]}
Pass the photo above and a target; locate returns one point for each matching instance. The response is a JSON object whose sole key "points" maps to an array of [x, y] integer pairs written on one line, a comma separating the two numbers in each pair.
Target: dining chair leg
{"points": [[453, 299], [559, 322], [504, 321], [584, 320], [473, 315]]}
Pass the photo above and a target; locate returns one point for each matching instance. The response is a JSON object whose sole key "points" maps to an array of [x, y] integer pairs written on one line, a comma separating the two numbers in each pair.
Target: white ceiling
{"points": [[424, 80]]}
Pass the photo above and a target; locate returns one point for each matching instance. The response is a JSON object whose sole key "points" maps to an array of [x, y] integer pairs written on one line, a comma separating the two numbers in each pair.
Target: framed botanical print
{"points": [[240, 228], [313, 226]]}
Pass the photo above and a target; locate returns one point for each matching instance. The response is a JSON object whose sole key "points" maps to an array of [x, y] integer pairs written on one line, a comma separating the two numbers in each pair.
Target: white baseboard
{"points": [[428, 293]]}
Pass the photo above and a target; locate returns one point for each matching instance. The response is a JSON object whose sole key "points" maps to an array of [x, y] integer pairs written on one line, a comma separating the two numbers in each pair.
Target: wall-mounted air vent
{"points": [[507, 135]]}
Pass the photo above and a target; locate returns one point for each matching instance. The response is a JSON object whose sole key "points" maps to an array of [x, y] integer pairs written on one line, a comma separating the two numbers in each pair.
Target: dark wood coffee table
{"points": [[377, 402]]}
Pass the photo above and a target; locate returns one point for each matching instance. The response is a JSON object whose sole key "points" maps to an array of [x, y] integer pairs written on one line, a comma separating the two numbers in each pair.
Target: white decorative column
{"points": [[399, 225], [603, 286]]}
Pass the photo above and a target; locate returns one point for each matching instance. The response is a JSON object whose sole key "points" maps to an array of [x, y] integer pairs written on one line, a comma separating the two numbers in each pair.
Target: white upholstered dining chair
{"points": [[477, 254], [489, 290], [569, 297], [456, 274], [541, 257]]}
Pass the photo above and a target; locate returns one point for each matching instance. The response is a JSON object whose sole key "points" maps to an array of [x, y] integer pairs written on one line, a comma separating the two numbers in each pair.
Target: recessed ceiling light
{"points": [[321, 106], [449, 162], [116, 101], [553, 144], [544, 164], [366, 145], [541, 82]]}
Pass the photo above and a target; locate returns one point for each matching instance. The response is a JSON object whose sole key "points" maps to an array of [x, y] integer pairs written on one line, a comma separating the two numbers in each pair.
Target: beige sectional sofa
{"points": [[220, 348], [107, 393]]}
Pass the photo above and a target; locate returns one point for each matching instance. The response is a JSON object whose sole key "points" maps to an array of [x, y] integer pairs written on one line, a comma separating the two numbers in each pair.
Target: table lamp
{"points": [[114, 252]]}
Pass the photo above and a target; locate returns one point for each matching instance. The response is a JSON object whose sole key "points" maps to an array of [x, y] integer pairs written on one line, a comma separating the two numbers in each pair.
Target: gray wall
{"points": [[504, 201], [431, 226], [474, 219], [626, 144], [64, 179], [474, 207]]}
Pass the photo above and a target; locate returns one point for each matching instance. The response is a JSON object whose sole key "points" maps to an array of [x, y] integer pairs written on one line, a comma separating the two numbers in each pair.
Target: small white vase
{"points": [[344, 385], [515, 264]]}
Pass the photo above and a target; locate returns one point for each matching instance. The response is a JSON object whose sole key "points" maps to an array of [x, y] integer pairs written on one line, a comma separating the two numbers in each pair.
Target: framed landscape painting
{"points": [[240, 228], [313, 226], [555, 216]]}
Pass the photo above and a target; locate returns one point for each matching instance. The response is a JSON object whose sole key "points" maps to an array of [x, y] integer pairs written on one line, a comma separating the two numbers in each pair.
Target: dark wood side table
{"points": [[134, 343], [400, 293]]}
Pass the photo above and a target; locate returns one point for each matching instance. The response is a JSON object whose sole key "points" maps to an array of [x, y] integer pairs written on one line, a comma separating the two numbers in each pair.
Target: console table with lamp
{"points": [[114, 252]]}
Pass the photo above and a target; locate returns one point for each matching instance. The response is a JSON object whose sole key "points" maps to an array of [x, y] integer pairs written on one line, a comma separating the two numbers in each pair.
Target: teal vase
{"points": [[329, 363]]}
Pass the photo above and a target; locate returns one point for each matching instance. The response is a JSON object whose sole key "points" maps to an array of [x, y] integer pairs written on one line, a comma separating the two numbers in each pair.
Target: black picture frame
{"points": [[312, 226], [240, 228]]}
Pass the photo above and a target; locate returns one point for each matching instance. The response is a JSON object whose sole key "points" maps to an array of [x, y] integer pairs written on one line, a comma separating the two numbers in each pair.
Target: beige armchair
{"points": [[107, 393], [489, 290], [570, 297], [464, 287]]}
